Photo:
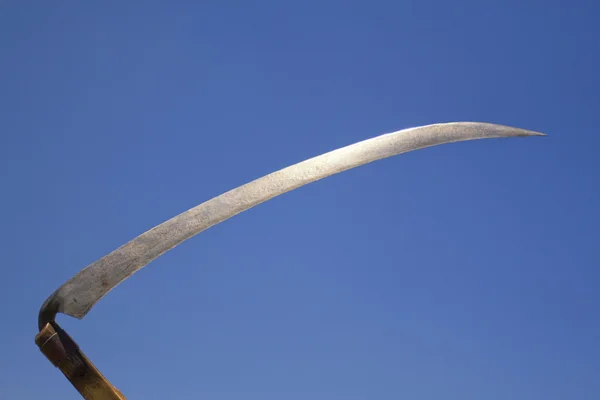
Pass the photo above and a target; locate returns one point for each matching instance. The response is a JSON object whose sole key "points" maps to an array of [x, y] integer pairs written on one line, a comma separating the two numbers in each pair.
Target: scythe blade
{"points": [[79, 294]]}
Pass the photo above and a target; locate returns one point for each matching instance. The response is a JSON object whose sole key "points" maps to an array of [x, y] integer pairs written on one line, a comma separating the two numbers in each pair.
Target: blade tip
{"points": [[533, 133]]}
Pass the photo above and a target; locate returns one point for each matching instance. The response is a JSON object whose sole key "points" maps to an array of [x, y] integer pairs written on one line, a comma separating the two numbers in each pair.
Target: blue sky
{"points": [[465, 271]]}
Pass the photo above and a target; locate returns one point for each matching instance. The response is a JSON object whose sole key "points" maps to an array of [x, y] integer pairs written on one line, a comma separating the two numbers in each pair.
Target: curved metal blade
{"points": [[78, 295]]}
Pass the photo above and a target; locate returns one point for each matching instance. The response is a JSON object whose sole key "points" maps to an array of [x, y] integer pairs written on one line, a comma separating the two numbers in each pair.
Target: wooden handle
{"points": [[64, 353]]}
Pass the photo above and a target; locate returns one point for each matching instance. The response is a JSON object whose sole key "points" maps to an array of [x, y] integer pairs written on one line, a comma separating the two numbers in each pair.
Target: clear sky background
{"points": [[467, 271]]}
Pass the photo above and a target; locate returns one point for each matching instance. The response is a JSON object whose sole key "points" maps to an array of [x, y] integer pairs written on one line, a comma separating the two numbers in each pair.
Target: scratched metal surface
{"points": [[78, 295]]}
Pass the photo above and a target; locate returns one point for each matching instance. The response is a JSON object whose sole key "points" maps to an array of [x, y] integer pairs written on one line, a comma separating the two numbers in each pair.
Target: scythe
{"points": [[78, 295]]}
